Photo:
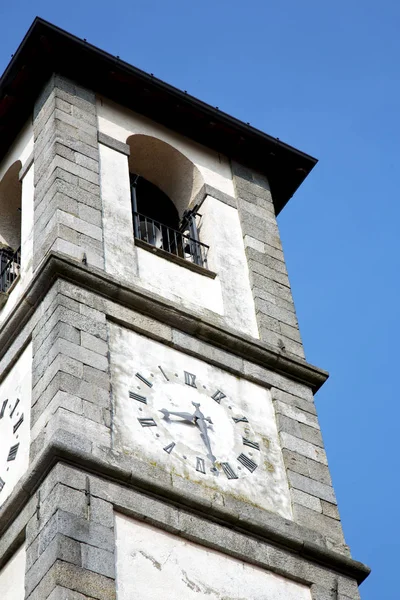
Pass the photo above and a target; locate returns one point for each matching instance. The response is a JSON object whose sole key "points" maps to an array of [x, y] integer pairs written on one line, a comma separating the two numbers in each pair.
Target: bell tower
{"points": [[158, 433]]}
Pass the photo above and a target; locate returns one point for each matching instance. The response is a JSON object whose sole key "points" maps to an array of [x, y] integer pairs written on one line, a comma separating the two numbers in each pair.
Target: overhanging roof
{"points": [[47, 49]]}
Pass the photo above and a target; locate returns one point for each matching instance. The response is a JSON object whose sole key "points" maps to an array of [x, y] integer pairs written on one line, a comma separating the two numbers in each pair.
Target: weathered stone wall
{"points": [[275, 312], [66, 513], [70, 540], [71, 399], [67, 192]]}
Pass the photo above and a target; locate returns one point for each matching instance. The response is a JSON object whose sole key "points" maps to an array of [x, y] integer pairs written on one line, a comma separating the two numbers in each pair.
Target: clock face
{"points": [[196, 420], [15, 402]]}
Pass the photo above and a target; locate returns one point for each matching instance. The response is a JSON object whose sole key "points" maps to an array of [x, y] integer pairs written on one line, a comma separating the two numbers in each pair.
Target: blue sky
{"points": [[325, 78]]}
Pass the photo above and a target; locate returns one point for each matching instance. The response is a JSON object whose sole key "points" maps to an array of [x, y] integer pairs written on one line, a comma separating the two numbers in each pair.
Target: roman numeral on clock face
{"points": [[218, 396], [229, 472], [14, 407], [247, 462], [138, 397], [200, 465], [248, 442], [163, 372], [144, 380], [3, 408], [13, 452], [147, 422], [170, 447], [240, 419], [18, 424], [2, 484], [190, 379]]}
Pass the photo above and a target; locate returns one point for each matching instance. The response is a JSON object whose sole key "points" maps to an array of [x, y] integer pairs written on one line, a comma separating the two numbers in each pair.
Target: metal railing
{"points": [[170, 240], [10, 264]]}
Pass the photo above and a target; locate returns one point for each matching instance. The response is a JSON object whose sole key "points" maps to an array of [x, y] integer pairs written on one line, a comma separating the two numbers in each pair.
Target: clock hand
{"points": [[183, 415], [200, 421]]}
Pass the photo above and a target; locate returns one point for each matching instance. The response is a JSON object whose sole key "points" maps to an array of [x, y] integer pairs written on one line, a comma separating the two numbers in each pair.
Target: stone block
{"points": [[62, 593], [277, 312], [331, 510], [93, 412], [306, 500], [293, 412], [62, 548], [319, 472], [90, 197], [261, 275], [98, 560], [264, 211], [79, 225], [252, 243], [86, 582], [60, 363], [348, 587], [250, 183], [86, 531], [89, 163], [321, 593], [60, 400], [288, 425], [78, 123], [78, 253], [305, 448], [312, 487], [290, 332], [311, 434], [269, 295], [304, 402], [90, 215], [63, 104], [96, 377], [102, 512], [319, 522], [79, 353], [268, 322], [87, 104], [295, 462], [261, 256]]}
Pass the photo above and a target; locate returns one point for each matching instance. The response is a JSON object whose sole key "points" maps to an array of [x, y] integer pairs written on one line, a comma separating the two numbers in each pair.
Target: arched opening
{"points": [[163, 184], [10, 226]]}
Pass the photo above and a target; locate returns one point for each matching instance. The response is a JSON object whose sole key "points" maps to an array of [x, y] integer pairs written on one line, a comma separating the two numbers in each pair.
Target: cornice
{"points": [[59, 266], [70, 449]]}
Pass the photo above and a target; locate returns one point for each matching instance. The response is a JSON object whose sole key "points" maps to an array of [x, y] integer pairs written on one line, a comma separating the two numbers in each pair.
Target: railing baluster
{"points": [[9, 273], [172, 241]]}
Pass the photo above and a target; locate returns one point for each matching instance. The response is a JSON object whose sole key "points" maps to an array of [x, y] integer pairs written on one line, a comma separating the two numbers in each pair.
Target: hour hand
{"points": [[183, 415]]}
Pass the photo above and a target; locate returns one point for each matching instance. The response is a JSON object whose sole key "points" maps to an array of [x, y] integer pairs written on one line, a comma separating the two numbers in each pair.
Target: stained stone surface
{"points": [[149, 378], [181, 570]]}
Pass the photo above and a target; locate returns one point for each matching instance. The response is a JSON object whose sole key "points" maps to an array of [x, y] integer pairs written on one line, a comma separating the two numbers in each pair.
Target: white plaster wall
{"points": [[119, 247], [221, 230], [130, 353], [152, 563], [120, 123], [12, 577], [182, 286], [228, 295], [27, 217], [141, 267], [16, 385]]}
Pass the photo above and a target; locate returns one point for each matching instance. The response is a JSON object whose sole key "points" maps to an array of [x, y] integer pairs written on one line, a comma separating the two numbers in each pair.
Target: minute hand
{"points": [[200, 421]]}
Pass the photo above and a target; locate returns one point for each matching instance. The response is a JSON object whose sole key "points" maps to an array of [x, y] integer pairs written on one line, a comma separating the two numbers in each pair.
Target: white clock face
{"points": [[196, 420], [15, 402]]}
